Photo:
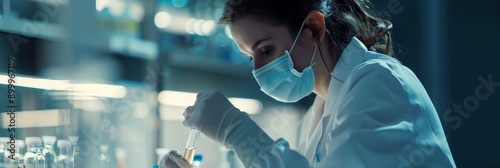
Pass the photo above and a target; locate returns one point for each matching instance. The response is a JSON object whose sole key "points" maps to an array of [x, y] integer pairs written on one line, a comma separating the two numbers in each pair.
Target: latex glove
{"points": [[173, 159], [213, 115]]}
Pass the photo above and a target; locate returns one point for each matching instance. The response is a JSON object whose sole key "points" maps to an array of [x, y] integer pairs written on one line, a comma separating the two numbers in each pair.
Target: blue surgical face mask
{"points": [[281, 81]]}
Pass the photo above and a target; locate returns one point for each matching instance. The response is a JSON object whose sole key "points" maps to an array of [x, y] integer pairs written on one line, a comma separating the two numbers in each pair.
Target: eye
{"points": [[266, 51], [249, 57]]}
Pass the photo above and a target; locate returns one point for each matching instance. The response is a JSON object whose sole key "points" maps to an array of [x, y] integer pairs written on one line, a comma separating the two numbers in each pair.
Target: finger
{"points": [[217, 93], [200, 95], [198, 98], [173, 153], [204, 95], [187, 112], [192, 121], [177, 158], [192, 118], [163, 163], [187, 123], [218, 96], [167, 162], [190, 108]]}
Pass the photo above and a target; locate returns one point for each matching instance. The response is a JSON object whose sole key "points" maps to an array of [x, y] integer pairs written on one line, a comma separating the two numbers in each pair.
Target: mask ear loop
{"points": [[314, 55], [296, 38]]}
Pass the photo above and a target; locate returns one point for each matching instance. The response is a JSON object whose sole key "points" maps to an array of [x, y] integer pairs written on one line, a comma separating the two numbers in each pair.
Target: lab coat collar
{"points": [[352, 56]]}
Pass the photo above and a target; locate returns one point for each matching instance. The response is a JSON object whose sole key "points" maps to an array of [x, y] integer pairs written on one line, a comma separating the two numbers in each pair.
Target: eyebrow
{"points": [[259, 41]]}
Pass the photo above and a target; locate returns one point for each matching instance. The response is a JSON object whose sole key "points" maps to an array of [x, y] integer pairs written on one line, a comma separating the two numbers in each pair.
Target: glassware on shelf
{"points": [[104, 157], [3, 151], [21, 145], [121, 155], [63, 159], [75, 150], [34, 157], [48, 152], [17, 159]]}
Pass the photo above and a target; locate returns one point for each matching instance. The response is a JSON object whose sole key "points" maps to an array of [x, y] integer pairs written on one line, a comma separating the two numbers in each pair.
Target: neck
{"points": [[322, 91], [322, 72]]}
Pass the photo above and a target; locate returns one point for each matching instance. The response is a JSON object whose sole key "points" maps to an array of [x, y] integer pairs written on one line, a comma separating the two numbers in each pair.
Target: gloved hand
{"points": [[173, 160], [213, 115]]}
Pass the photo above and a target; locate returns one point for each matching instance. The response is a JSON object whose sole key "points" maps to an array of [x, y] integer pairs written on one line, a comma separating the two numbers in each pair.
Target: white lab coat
{"points": [[376, 114]]}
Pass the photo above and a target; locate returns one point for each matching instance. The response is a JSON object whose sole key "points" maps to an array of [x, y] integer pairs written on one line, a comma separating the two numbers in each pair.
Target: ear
{"points": [[316, 22]]}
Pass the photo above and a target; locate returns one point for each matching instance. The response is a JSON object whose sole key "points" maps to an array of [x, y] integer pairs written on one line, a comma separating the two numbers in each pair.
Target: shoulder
{"points": [[378, 69], [377, 88], [380, 79]]}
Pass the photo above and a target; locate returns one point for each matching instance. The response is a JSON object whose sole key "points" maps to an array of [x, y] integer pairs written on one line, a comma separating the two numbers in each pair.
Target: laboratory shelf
{"points": [[210, 65], [128, 46], [131, 46], [30, 28], [52, 1]]}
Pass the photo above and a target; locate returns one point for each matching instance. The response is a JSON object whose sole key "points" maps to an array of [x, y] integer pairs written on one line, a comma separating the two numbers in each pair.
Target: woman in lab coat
{"points": [[369, 111]]}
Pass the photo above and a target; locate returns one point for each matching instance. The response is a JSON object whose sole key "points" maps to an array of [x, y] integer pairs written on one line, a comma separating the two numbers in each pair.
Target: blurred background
{"points": [[105, 82]]}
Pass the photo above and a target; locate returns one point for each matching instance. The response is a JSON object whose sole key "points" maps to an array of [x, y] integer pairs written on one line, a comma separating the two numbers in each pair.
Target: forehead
{"points": [[247, 31]]}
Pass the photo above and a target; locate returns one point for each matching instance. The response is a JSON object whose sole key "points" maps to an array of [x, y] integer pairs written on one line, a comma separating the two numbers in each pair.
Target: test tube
{"points": [[194, 134]]}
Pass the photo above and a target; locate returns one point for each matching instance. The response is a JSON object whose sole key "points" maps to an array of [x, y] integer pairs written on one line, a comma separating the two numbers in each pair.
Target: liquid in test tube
{"points": [[194, 134]]}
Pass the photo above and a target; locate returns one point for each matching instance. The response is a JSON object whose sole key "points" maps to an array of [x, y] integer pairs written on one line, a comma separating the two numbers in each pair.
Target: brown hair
{"points": [[344, 19]]}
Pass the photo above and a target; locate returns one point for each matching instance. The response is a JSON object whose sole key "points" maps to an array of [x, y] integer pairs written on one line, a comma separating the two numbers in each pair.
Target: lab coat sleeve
{"points": [[279, 155], [372, 122], [256, 149]]}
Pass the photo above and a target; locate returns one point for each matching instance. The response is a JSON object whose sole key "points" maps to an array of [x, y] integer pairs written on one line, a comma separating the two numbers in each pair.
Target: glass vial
{"points": [[64, 159], [194, 134], [34, 157], [104, 157], [48, 152]]}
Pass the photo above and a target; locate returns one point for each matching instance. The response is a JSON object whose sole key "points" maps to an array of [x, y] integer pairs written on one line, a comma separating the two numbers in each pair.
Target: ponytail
{"points": [[355, 19]]}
